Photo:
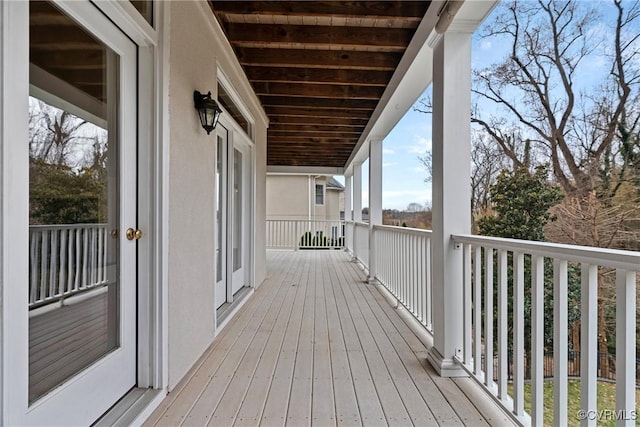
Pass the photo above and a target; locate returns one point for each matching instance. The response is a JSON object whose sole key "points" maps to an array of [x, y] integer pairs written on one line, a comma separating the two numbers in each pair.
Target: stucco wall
{"points": [[332, 211], [287, 197], [196, 50]]}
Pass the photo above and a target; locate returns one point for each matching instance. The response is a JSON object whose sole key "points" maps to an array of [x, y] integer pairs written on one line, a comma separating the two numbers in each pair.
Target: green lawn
{"points": [[606, 401]]}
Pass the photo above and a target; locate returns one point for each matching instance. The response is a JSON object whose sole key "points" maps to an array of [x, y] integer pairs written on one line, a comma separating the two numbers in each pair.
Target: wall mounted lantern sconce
{"points": [[208, 110]]}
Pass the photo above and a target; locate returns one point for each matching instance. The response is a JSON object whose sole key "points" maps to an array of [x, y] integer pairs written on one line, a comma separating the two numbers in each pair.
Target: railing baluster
{"points": [[94, 255], [468, 326], [403, 266], [625, 346], [421, 283], [412, 271], [429, 320], [70, 257], [100, 255], [503, 341], [537, 340], [78, 266], [85, 258], [477, 310], [62, 262], [33, 263], [416, 275], [589, 342], [488, 320], [44, 253], [53, 258], [560, 342], [518, 333]]}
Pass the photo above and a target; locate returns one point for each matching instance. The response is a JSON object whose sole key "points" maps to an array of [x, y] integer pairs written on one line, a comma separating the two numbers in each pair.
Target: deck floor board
{"points": [[316, 345]]}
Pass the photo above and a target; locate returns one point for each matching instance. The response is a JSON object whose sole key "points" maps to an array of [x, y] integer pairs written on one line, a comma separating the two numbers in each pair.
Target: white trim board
{"points": [[304, 170], [60, 94]]}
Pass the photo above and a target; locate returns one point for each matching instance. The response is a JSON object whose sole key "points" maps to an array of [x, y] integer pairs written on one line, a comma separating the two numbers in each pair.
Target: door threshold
{"points": [[133, 409], [224, 312]]}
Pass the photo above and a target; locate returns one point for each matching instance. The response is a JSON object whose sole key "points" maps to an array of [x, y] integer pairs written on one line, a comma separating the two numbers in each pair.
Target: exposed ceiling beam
{"points": [[375, 9], [275, 127], [318, 91], [311, 140], [284, 170], [339, 103], [353, 60], [353, 37], [333, 121], [315, 112], [333, 76]]}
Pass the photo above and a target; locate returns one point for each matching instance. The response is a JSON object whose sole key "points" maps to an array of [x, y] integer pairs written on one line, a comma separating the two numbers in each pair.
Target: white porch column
{"points": [[357, 192], [357, 205], [451, 193], [348, 244], [375, 199]]}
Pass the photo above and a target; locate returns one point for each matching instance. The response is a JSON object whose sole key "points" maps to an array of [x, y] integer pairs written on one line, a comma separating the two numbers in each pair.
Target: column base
{"points": [[445, 367]]}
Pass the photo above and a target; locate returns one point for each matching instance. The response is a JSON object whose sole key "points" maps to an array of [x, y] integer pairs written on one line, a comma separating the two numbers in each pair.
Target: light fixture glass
{"points": [[208, 110]]}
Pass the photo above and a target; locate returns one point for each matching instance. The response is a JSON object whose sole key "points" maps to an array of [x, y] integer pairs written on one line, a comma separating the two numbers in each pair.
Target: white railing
{"points": [[348, 234], [403, 266], [65, 260], [361, 242], [513, 260], [305, 234]]}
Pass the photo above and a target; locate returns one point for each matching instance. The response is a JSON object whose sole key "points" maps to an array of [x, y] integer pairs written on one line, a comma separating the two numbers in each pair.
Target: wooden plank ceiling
{"points": [[63, 49], [318, 67]]}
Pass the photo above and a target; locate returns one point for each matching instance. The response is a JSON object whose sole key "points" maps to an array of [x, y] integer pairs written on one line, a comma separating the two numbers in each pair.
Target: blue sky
{"points": [[403, 174], [403, 180]]}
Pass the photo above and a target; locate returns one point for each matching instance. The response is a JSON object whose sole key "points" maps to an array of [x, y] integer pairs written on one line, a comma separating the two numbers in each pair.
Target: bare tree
{"points": [[587, 132], [536, 86], [55, 135], [487, 161]]}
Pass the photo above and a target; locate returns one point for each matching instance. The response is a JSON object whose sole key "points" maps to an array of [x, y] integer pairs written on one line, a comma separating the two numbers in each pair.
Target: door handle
{"points": [[133, 234]]}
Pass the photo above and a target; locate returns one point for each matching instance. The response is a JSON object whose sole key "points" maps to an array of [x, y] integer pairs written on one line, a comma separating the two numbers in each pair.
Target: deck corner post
{"points": [[357, 205], [451, 194], [375, 200], [348, 215]]}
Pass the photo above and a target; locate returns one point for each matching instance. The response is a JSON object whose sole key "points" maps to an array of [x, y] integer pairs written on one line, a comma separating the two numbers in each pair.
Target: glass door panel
{"points": [[237, 210], [239, 215], [73, 207], [82, 193], [232, 175], [221, 215]]}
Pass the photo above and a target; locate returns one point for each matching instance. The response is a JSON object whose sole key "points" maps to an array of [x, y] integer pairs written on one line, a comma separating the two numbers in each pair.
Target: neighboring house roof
{"points": [[332, 183]]}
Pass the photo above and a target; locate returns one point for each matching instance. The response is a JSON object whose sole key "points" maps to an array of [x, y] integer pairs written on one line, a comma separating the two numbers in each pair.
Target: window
{"points": [[227, 103], [319, 194], [145, 7]]}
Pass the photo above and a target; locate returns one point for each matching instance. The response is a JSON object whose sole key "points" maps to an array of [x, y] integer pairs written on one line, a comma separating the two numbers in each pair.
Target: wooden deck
{"points": [[64, 341], [316, 345]]}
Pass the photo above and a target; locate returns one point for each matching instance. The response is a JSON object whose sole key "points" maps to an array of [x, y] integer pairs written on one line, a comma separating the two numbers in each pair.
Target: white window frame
{"points": [[224, 81], [324, 194]]}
